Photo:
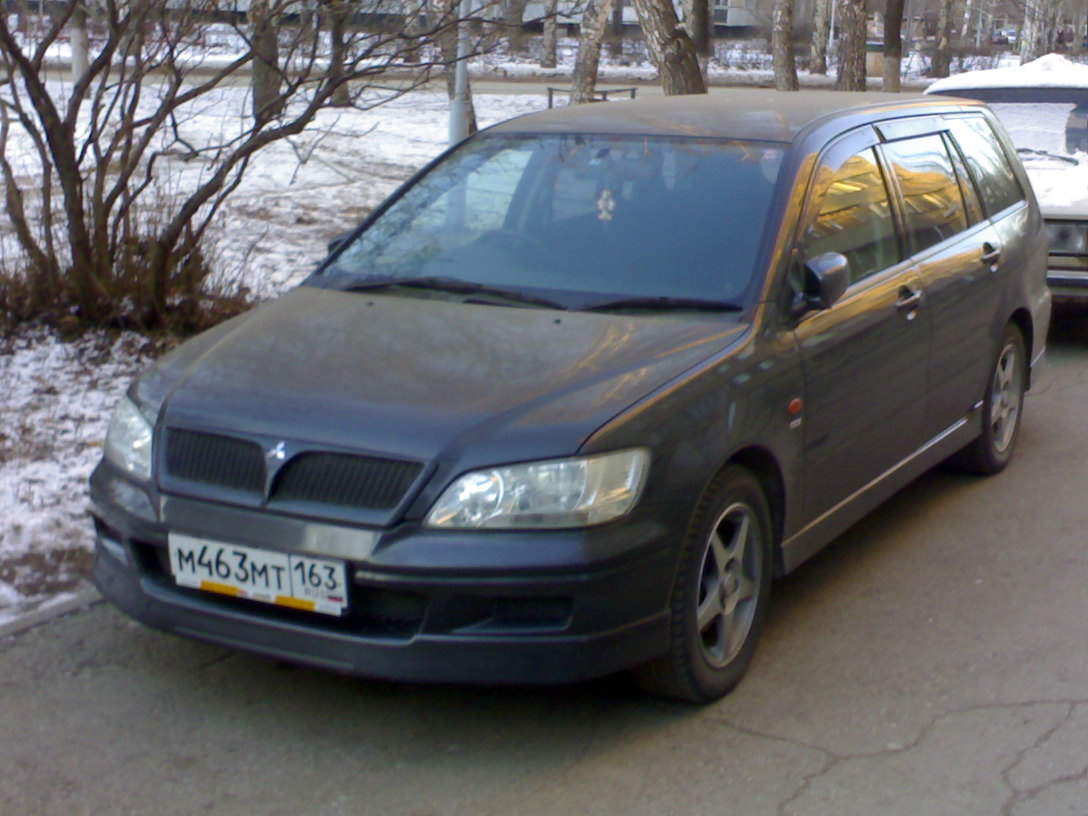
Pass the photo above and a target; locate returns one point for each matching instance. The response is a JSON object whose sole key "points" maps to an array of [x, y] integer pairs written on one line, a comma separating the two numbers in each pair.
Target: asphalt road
{"points": [[933, 661]]}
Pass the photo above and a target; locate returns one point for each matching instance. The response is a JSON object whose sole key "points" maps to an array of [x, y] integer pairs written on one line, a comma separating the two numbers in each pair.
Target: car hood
{"points": [[420, 378], [1061, 188]]}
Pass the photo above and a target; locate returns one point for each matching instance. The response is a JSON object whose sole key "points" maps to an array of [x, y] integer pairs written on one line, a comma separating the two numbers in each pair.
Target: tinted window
{"points": [[971, 200], [987, 162], [638, 216], [932, 204], [853, 216]]}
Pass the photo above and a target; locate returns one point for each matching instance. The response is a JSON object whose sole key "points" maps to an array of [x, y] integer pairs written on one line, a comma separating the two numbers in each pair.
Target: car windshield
{"points": [[584, 219]]}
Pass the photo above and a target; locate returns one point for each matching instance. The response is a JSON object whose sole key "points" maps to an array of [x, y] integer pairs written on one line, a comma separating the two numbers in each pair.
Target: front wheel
{"points": [[720, 595], [1002, 408]]}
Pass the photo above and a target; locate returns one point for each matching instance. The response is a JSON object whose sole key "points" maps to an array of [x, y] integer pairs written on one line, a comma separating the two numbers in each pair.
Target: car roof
{"points": [[735, 113]]}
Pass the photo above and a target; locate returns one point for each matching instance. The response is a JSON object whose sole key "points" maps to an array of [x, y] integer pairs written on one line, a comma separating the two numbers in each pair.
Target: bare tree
{"points": [[670, 47], [821, 32], [335, 14], [699, 27], [615, 42], [266, 73], [513, 17], [549, 55], [1032, 34], [79, 41], [584, 80], [785, 66], [893, 44], [969, 12], [942, 56], [851, 46], [96, 239]]}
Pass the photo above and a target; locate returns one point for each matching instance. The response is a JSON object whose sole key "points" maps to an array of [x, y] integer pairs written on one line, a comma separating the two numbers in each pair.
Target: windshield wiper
{"points": [[1030, 151], [664, 303], [440, 283]]}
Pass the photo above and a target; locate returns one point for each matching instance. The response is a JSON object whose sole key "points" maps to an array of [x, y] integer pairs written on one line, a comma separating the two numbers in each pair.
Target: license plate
{"points": [[285, 579]]}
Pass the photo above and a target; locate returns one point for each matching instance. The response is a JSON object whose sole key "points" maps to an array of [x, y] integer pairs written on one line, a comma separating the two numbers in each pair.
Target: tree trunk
{"points": [[1050, 33], [266, 77], [893, 44], [413, 27], [584, 79], [671, 48], [338, 13], [699, 26], [969, 8], [1029, 32], [785, 67], [821, 30], [615, 42], [308, 18], [942, 57], [79, 41], [851, 46], [549, 59], [513, 17]]}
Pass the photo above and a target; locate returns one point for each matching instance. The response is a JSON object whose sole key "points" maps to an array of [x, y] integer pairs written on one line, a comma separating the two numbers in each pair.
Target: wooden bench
{"points": [[599, 95]]}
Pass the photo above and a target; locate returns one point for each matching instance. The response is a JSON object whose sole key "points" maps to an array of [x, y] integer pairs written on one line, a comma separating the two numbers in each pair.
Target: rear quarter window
{"points": [[987, 163]]}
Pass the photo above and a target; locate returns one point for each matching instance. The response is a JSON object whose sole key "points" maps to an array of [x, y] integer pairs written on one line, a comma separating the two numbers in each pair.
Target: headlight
{"points": [[128, 441], [1068, 237], [575, 492]]}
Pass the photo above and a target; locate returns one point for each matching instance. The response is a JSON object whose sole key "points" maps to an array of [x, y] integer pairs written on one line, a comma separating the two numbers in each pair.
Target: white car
{"points": [[1044, 107]]}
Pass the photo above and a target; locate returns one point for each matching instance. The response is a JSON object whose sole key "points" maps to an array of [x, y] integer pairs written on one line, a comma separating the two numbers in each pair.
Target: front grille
{"points": [[348, 481], [214, 460]]}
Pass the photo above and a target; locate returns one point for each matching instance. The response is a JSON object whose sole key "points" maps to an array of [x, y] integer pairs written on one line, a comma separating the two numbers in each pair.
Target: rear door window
{"points": [[987, 163], [933, 208]]}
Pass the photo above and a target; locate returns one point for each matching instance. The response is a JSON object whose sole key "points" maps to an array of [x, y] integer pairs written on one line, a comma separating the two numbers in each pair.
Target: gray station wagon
{"points": [[572, 397]]}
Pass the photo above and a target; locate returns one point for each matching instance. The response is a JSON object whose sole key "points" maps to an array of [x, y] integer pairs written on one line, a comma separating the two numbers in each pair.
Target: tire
{"points": [[1002, 409], [720, 593]]}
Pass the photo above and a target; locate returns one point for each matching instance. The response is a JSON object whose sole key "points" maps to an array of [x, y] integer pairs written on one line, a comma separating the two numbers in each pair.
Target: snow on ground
{"points": [[53, 418], [56, 396]]}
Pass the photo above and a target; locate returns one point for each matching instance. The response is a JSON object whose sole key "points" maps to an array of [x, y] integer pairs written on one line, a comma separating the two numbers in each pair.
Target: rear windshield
{"points": [[630, 216], [1054, 120]]}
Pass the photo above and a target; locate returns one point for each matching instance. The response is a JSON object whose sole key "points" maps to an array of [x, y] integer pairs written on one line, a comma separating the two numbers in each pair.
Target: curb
{"points": [[85, 596]]}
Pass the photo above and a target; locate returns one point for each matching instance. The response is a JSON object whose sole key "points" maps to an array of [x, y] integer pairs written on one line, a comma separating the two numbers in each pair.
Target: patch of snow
{"points": [[1051, 71]]}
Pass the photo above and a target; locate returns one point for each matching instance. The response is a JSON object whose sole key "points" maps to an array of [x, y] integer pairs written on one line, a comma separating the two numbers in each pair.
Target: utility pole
{"points": [[458, 126]]}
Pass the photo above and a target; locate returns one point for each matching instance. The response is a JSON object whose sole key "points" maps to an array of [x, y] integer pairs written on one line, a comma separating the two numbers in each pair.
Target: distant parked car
{"points": [[573, 396], [1044, 106]]}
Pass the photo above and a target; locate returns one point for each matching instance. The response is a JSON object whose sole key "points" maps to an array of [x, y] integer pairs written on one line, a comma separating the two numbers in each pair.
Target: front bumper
{"points": [[597, 604], [1067, 277]]}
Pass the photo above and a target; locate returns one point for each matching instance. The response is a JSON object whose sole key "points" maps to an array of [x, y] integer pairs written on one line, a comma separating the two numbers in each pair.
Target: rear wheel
{"points": [[720, 595], [1002, 408]]}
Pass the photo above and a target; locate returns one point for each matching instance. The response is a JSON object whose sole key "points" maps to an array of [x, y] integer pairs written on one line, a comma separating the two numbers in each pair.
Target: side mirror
{"points": [[826, 279], [339, 241]]}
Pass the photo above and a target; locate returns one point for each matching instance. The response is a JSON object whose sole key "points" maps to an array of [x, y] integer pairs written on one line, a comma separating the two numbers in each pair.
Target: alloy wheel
{"points": [[1005, 398], [730, 575]]}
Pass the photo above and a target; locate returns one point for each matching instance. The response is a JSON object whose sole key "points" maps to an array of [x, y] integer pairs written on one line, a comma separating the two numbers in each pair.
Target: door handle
{"points": [[990, 254], [908, 300]]}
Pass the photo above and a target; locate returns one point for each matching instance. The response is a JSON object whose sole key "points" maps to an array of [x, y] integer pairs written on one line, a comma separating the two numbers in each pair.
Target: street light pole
{"points": [[458, 125]]}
